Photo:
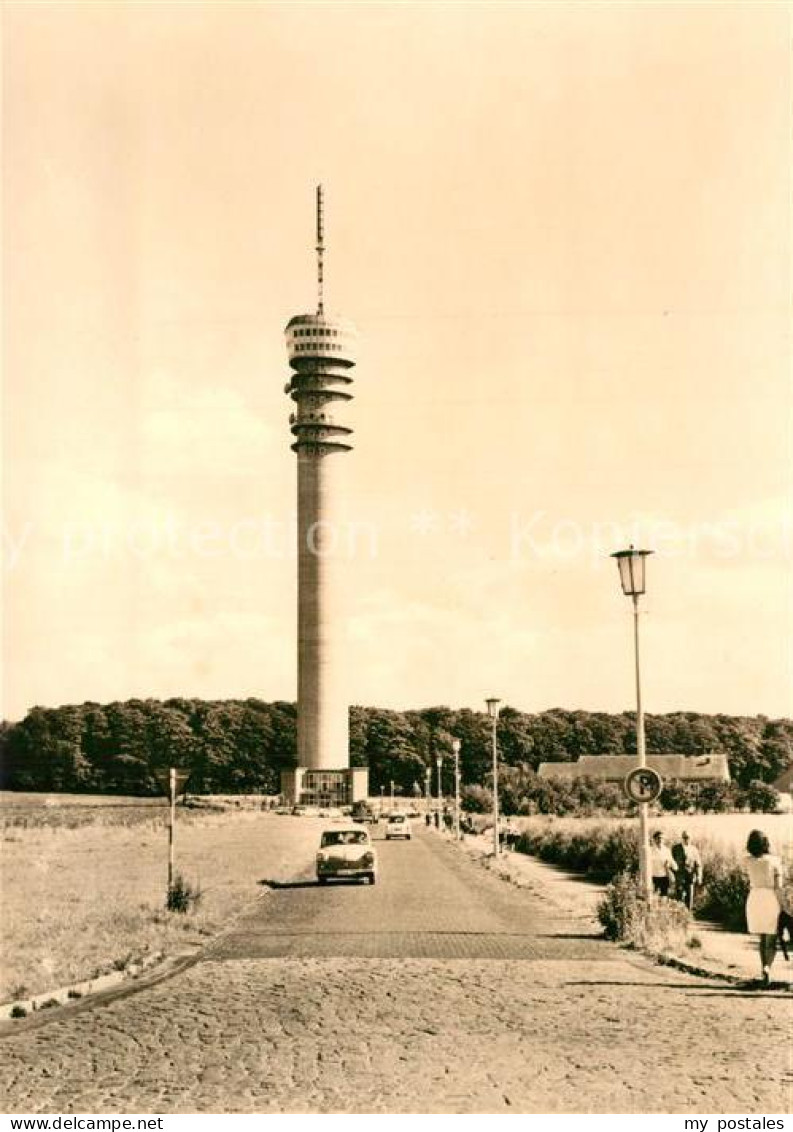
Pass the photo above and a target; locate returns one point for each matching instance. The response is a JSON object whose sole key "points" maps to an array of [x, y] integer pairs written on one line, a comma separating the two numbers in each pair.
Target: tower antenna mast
{"points": [[320, 250]]}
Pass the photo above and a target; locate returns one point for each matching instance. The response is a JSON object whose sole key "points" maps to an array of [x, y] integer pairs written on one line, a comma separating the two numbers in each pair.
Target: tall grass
{"points": [[599, 851]]}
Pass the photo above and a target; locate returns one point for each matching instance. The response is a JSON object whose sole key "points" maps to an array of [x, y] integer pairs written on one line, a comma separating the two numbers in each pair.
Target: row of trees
{"points": [[521, 791], [241, 746]]}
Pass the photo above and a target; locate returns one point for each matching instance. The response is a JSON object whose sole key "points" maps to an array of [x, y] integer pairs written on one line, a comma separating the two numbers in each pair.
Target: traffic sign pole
{"points": [[171, 823], [172, 782]]}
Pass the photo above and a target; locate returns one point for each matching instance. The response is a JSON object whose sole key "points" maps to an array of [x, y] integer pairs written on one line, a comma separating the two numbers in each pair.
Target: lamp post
{"points": [[382, 791], [438, 767], [427, 789], [456, 750], [392, 795], [631, 565], [492, 711]]}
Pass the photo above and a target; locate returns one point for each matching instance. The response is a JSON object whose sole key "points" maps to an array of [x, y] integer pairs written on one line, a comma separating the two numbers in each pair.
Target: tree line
{"points": [[241, 746]]}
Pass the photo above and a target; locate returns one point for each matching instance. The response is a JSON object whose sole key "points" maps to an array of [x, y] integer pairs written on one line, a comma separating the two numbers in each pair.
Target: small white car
{"points": [[397, 826], [346, 852]]}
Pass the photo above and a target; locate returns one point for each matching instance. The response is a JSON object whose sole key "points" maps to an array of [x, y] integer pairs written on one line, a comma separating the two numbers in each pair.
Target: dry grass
{"points": [[77, 902], [36, 800], [70, 811]]}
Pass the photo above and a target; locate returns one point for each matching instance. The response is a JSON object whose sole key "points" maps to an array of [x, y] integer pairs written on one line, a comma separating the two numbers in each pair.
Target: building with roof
{"points": [[614, 768]]}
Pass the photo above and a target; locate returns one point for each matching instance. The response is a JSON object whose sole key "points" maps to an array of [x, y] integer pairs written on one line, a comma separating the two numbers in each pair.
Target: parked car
{"points": [[397, 826], [346, 852]]}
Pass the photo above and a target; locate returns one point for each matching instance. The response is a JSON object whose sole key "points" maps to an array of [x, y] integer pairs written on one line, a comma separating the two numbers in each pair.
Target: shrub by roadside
{"points": [[651, 925], [724, 890]]}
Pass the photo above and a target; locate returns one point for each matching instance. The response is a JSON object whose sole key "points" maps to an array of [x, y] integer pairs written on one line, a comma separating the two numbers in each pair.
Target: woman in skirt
{"points": [[762, 904]]}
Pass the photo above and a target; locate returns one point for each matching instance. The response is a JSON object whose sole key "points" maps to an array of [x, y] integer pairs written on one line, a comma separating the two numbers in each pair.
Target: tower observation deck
{"points": [[321, 351]]}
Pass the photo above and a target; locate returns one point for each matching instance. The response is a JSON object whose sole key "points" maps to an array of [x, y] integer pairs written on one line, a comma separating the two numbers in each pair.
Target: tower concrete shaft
{"points": [[320, 352], [322, 727]]}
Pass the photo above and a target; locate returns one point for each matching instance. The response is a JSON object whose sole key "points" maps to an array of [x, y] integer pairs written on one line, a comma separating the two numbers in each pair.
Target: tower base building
{"points": [[305, 787]]}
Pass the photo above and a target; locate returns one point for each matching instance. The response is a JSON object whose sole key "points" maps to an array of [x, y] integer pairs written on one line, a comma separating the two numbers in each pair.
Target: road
{"points": [[440, 989]]}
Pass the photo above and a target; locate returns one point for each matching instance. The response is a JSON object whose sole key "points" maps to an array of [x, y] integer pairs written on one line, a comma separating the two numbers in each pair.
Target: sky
{"points": [[563, 233]]}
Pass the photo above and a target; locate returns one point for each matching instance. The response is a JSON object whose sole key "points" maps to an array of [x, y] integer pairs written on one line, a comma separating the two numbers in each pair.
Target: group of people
{"points": [[676, 871], [508, 832]]}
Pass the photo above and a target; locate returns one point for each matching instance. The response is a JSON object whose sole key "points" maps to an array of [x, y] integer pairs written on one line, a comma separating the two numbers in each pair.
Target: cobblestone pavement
{"points": [[297, 1010]]}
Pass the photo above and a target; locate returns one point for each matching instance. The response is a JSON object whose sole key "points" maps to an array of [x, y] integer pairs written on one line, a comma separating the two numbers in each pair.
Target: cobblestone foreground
{"points": [[384, 1035], [440, 989]]}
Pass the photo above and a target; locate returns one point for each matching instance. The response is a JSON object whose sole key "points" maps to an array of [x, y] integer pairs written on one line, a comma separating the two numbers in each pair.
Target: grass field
{"points": [[70, 811], [83, 900]]}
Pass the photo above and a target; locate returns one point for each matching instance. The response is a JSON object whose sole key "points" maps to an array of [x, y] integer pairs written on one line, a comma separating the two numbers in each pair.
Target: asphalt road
{"points": [[429, 903], [440, 989]]}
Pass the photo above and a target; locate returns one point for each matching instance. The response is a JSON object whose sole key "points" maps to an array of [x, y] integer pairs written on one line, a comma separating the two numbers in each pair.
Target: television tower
{"points": [[321, 351]]}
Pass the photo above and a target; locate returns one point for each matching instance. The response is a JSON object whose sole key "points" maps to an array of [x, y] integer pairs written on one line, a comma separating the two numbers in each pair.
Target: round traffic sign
{"points": [[643, 784]]}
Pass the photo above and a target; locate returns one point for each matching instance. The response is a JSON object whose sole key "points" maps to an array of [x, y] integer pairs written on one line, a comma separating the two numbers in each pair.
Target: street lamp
{"points": [[492, 711], [631, 565], [427, 788], [382, 791], [438, 767], [392, 796], [456, 750]]}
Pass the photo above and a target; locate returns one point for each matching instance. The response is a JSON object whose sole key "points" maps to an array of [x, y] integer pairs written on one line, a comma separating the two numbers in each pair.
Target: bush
{"points": [[18, 1011], [599, 852], [678, 796], [715, 797], [618, 909], [182, 896], [628, 917], [477, 799], [762, 798], [725, 887]]}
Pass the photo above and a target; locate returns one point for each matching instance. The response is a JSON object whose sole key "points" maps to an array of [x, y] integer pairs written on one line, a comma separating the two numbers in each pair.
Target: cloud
{"points": [[208, 430]]}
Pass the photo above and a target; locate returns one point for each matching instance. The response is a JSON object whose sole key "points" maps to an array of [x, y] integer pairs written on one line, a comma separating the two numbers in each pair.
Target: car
{"points": [[331, 813], [346, 852], [364, 813], [397, 826]]}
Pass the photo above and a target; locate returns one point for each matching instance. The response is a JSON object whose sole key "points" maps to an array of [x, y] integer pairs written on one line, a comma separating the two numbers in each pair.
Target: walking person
{"points": [[763, 901], [689, 869], [662, 864]]}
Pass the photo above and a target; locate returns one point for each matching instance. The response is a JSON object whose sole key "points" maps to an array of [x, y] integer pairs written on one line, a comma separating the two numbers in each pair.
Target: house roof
{"points": [[613, 768]]}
